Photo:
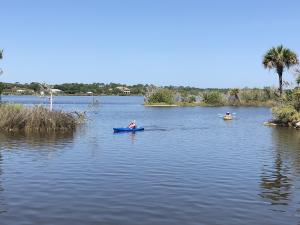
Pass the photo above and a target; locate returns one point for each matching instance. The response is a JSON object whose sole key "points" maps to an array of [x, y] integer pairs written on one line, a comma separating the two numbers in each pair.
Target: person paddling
{"points": [[227, 116], [132, 124]]}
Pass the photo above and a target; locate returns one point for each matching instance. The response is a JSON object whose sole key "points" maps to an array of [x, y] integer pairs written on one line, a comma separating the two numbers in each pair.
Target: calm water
{"points": [[188, 167]]}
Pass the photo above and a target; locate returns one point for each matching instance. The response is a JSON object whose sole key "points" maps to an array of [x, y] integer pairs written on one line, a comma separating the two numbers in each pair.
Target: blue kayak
{"points": [[126, 129]]}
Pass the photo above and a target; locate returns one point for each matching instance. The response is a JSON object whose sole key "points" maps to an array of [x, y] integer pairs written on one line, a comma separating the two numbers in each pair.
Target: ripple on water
{"points": [[187, 167]]}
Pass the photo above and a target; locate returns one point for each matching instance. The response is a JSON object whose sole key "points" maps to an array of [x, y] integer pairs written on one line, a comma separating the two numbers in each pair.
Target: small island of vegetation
{"points": [[15, 117]]}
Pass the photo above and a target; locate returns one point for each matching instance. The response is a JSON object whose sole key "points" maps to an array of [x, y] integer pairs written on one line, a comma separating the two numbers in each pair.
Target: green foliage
{"points": [[234, 92], [1, 57], [296, 99], [191, 99], [257, 95], [1, 87], [288, 96], [162, 96], [213, 98], [234, 98], [36, 87], [249, 96], [269, 94], [298, 80], [286, 114], [280, 58]]}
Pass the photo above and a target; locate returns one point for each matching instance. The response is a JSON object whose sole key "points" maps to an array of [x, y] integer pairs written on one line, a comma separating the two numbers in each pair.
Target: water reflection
{"points": [[131, 135], [35, 140], [276, 182], [2, 200]]}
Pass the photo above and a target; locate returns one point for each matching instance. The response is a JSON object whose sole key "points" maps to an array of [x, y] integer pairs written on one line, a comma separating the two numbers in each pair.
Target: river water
{"points": [[187, 167]]}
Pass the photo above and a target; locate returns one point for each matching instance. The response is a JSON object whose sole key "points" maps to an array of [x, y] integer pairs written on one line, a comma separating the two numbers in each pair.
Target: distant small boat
{"points": [[126, 129], [227, 117]]}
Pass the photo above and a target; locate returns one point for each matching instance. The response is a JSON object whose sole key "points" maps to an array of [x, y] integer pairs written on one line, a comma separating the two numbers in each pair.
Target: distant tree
{"points": [[279, 58], [296, 99], [235, 94], [35, 86], [212, 98], [192, 99], [1, 84], [1, 57]]}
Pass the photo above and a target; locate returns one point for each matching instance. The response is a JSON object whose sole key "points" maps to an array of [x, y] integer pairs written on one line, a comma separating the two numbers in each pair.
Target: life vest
{"points": [[132, 125]]}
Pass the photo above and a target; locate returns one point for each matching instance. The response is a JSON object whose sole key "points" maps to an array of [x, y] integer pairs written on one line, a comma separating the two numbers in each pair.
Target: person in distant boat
{"points": [[227, 116], [132, 125]]}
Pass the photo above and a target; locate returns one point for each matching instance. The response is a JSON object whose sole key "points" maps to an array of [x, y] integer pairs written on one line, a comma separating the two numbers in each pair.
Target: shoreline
{"points": [[158, 105], [268, 104], [207, 105], [279, 124]]}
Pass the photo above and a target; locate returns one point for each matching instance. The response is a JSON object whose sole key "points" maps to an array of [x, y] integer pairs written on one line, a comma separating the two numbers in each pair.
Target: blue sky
{"points": [[164, 42]]}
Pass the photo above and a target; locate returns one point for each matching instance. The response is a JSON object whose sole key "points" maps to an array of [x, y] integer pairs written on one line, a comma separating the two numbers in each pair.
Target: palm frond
{"points": [[280, 57]]}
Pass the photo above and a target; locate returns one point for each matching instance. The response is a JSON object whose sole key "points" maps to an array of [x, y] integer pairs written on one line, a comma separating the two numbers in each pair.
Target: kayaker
{"points": [[227, 116], [132, 124]]}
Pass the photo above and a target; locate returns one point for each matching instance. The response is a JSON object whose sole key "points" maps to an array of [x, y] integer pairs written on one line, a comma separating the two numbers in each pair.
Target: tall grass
{"points": [[14, 117]]}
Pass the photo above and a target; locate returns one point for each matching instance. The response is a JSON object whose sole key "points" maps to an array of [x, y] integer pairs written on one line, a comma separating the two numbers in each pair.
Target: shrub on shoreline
{"points": [[213, 98], [286, 115], [161, 96], [288, 112], [15, 117]]}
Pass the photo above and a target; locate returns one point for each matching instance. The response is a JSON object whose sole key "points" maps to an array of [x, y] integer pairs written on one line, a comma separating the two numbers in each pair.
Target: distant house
{"points": [[89, 93], [25, 91], [124, 90], [20, 91], [56, 91]]}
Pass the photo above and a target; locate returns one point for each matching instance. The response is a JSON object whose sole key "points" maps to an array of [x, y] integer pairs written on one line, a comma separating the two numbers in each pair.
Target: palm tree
{"points": [[280, 58], [235, 94]]}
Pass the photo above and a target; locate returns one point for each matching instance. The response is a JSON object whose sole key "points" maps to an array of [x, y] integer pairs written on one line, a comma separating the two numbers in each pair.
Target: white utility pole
{"points": [[51, 100], [49, 90]]}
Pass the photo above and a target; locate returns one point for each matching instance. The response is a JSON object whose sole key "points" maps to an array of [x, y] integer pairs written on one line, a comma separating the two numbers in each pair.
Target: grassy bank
{"points": [[233, 97], [14, 117]]}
